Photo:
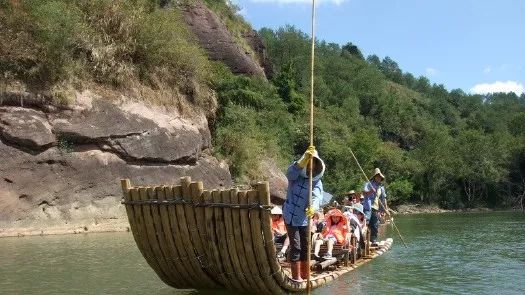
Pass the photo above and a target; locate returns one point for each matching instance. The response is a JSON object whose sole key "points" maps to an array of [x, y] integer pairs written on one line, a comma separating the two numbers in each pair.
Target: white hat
{"points": [[376, 172], [358, 208], [276, 211]]}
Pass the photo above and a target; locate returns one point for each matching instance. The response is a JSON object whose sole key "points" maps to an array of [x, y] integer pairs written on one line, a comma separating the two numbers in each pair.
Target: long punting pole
{"points": [[309, 237]]}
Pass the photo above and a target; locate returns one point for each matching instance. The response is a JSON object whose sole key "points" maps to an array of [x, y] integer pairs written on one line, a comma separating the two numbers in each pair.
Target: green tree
{"points": [[351, 49]]}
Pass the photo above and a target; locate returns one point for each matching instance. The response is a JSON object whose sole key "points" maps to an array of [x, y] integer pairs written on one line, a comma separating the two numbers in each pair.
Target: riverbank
{"points": [[425, 209], [77, 228], [56, 220]]}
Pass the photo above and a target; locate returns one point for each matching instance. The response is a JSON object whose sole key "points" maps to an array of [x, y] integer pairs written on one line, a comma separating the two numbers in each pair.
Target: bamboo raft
{"points": [[216, 239]]}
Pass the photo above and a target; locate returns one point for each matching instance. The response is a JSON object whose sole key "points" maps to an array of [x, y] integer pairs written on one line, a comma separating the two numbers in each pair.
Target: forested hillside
{"points": [[435, 146]]}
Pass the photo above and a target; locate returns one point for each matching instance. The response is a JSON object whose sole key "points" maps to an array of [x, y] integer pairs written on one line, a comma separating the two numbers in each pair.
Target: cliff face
{"points": [[60, 169], [213, 35]]}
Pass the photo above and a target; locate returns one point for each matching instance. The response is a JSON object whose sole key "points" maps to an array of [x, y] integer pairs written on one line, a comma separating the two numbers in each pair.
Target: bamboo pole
{"points": [[310, 185]]}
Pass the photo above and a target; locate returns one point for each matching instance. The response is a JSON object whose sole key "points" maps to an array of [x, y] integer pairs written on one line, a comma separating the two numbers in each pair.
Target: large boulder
{"points": [[25, 128], [132, 135], [277, 180], [62, 174]]}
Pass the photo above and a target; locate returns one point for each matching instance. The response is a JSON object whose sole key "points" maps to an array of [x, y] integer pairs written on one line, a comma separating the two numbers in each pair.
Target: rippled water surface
{"points": [[475, 253]]}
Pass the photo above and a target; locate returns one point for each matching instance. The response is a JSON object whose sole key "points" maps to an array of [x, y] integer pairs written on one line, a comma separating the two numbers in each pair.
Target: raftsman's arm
{"points": [[293, 172], [317, 195]]}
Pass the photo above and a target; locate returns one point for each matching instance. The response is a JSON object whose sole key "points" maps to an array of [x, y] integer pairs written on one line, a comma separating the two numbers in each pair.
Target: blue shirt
{"points": [[297, 196], [370, 201]]}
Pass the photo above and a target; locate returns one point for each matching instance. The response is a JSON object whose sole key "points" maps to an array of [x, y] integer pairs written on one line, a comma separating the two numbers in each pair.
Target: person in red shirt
{"points": [[335, 232], [279, 231]]}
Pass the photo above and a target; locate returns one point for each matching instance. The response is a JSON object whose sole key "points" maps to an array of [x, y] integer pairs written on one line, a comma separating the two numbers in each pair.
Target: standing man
{"points": [[297, 210], [375, 197]]}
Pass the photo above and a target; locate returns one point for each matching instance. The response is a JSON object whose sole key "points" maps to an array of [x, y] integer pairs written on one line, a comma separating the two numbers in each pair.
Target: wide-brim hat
{"points": [[350, 193], [378, 172], [315, 157], [276, 211], [358, 208]]}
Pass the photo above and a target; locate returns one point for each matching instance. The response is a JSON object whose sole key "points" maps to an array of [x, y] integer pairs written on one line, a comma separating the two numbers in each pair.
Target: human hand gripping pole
{"points": [[310, 211], [305, 159]]}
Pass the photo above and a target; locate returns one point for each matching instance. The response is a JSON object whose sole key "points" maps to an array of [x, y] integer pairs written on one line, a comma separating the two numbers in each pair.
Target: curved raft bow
{"points": [[218, 239]]}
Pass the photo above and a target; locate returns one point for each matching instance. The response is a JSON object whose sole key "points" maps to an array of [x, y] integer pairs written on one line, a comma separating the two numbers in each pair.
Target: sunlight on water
{"points": [[448, 253]]}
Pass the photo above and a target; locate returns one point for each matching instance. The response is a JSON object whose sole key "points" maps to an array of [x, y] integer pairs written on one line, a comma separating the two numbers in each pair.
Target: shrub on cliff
{"points": [[115, 43], [252, 124]]}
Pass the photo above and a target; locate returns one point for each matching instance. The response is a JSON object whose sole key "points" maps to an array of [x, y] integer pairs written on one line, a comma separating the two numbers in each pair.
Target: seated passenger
{"points": [[279, 231], [357, 221], [318, 224], [346, 200], [335, 232], [352, 198]]}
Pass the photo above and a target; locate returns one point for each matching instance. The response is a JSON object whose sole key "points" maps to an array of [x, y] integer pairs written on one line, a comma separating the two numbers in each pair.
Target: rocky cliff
{"points": [[60, 168], [213, 35]]}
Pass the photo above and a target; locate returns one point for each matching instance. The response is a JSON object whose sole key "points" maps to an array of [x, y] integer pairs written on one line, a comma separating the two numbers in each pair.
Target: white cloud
{"points": [[431, 71], [487, 70], [498, 86], [337, 2]]}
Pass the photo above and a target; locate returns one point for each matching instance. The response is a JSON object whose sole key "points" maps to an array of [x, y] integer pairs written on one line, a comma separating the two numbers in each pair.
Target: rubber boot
{"points": [[305, 270], [296, 271]]}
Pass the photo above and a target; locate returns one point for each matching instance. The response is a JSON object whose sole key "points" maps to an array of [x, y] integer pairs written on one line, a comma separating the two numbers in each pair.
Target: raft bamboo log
{"points": [[185, 229], [222, 239], [230, 241], [151, 236], [213, 242], [248, 245], [171, 192], [170, 250], [327, 263]]}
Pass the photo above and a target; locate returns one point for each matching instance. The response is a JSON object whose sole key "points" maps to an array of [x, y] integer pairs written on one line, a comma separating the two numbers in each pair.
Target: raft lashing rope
{"points": [[214, 239]]}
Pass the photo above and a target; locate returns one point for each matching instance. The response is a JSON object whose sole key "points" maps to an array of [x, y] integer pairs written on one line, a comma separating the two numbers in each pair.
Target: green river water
{"points": [[469, 253]]}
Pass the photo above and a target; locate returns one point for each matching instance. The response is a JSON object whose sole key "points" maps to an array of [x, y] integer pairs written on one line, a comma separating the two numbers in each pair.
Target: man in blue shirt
{"points": [[296, 209], [375, 199]]}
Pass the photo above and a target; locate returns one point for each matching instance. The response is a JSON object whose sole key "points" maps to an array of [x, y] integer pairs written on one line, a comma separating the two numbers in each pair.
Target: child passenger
{"points": [[335, 232], [279, 231]]}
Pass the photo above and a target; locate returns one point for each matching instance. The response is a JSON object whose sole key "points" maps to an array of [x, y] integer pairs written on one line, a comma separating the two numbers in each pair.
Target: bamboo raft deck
{"points": [[216, 239]]}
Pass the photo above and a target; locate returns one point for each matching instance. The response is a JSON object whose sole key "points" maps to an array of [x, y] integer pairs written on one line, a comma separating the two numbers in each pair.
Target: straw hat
{"points": [[376, 172], [350, 193], [276, 211]]}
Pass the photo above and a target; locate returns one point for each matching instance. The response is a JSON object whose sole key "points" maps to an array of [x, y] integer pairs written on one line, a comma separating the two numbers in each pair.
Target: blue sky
{"points": [[475, 45]]}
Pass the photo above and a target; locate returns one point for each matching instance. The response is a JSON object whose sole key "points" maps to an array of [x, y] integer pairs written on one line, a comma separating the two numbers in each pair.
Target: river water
{"points": [[469, 253]]}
